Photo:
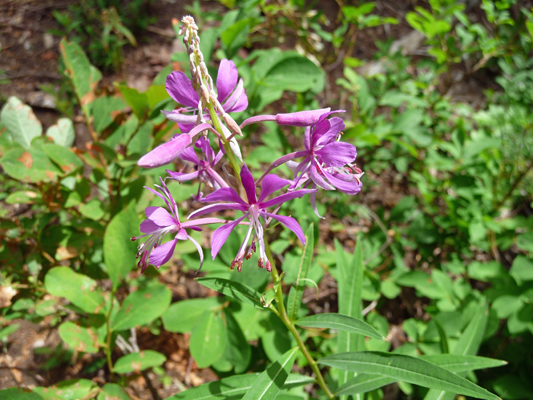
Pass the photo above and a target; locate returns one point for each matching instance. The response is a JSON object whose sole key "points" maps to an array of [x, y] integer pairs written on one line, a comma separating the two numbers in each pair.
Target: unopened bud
{"points": [[232, 125], [268, 266]]}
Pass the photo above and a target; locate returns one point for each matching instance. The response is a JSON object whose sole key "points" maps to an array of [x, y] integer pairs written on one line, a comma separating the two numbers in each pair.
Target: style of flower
{"points": [[158, 224], [203, 168], [230, 96], [252, 210]]}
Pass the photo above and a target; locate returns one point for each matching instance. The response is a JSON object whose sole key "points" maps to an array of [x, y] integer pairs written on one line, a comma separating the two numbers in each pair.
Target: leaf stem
{"points": [[108, 349], [292, 329]]}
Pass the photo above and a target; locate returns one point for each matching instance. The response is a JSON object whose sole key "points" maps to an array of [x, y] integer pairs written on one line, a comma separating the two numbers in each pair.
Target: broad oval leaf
{"points": [[78, 337], [79, 289], [340, 323], [119, 250], [62, 132], [407, 369], [72, 389], [142, 307], [208, 339], [234, 290], [32, 165], [19, 394], [183, 315], [20, 121], [294, 72], [234, 387], [138, 361], [270, 382], [112, 391], [295, 295], [66, 159]]}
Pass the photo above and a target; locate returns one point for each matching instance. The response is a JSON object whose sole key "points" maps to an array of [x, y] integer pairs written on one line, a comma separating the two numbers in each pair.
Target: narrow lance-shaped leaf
{"points": [[468, 344], [270, 382], [363, 383], [297, 291], [234, 387], [234, 290], [408, 369], [340, 323], [350, 302]]}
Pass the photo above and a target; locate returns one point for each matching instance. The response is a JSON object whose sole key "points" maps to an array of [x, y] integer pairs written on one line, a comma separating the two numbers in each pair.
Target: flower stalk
{"points": [[282, 314]]}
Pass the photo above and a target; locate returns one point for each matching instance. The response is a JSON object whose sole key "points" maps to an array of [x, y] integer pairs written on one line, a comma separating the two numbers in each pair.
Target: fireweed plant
{"points": [[324, 163]]}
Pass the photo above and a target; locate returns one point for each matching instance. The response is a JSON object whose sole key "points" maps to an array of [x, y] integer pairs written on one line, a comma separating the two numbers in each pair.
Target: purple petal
{"points": [[289, 223], [318, 179], [189, 121], [179, 87], [165, 153], [271, 184], [313, 204], [256, 119], [319, 131], [203, 144], [345, 183], [182, 235], [286, 197], [161, 254], [301, 118], [148, 226], [181, 177], [337, 154], [161, 217], [224, 194], [337, 126], [238, 100], [249, 184], [218, 207], [226, 79], [220, 235], [189, 155]]}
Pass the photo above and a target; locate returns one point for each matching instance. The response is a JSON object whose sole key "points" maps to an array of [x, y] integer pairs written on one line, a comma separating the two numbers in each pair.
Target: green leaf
{"points": [[62, 132], [20, 121], [297, 290], [208, 339], [136, 100], [234, 290], [93, 209], [119, 250], [511, 387], [183, 315], [112, 391], [407, 369], [270, 382], [234, 387], [363, 383], [238, 351], [295, 73], [522, 269], [104, 109], [83, 75], [72, 389], [340, 323], [32, 165], [142, 307], [79, 289], [8, 330], [66, 159], [19, 394], [350, 281], [79, 337], [138, 361], [468, 344]]}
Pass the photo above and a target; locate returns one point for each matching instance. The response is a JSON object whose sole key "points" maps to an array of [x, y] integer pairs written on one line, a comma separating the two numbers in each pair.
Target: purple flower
{"points": [[230, 95], [159, 222], [203, 168], [300, 118], [165, 153], [253, 209], [327, 162]]}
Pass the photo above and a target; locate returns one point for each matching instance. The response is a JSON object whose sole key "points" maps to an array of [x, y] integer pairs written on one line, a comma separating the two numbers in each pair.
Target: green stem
{"points": [[227, 148], [290, 325]]}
